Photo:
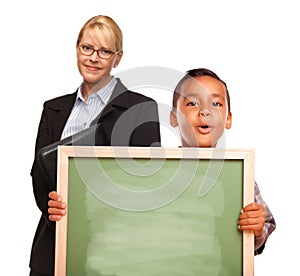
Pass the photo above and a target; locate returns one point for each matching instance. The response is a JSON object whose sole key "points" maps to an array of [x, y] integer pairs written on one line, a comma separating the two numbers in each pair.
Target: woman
{"points": [[123, 118]]}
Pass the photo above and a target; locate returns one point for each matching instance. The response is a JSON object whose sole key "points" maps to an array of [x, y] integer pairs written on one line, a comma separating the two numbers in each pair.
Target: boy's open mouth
{"points": [[204, 129]]}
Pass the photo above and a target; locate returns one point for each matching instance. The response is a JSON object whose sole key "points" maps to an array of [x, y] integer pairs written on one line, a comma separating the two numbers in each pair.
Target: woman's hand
{"points": [[57, 208]]}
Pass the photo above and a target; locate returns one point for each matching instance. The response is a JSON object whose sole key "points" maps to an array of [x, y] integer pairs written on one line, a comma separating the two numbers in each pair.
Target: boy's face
{"points": [[202, 112]]}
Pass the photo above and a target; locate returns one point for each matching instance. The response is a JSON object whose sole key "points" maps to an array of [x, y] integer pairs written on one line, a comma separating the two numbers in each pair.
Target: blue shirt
{"points": [[83, 112]]}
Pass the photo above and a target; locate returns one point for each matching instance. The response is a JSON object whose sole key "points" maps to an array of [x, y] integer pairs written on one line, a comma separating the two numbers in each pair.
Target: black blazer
{"points": [[129, 119]]}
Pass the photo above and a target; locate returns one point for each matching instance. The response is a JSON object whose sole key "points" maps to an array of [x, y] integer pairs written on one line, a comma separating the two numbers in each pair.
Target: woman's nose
{"points": [[94, 56]]}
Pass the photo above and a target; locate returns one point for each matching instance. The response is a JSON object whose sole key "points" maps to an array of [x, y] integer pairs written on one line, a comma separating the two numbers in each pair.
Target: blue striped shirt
{"points": [[83, 112]]}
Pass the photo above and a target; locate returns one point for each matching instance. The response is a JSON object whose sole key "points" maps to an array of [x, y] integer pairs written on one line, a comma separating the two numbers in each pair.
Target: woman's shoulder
{"points": [[139, 97], [134, 96], [60, 100]]}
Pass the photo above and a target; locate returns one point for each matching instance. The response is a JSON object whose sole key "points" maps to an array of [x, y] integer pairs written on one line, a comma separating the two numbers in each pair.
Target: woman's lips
{"points": [[92, 68]]}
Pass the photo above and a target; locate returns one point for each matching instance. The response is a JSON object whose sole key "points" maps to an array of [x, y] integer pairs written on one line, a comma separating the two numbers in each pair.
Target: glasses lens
{"points": [[86, 50], [103, 53]]}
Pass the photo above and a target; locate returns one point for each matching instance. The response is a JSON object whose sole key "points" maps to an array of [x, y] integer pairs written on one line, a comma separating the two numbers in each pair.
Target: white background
{"points": [[252, 45]]}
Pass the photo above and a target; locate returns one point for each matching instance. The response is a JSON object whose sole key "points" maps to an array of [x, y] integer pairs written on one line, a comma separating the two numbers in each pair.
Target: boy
{"points": [[201, 111]]}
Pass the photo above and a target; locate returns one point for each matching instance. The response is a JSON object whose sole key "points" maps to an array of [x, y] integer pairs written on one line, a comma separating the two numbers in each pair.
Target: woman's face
{"points": [[202, 112], [93, 68]]}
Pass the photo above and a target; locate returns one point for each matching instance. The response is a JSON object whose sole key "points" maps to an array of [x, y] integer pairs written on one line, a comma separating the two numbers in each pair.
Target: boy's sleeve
{"points": [[270, 224]]}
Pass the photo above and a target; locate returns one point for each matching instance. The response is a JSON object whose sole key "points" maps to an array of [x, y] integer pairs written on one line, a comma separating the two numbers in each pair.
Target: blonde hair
{"points": [[108, 27]]}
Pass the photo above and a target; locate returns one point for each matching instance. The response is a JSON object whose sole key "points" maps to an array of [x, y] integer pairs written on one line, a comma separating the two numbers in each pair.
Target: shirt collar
{"points": [[104, 93]]}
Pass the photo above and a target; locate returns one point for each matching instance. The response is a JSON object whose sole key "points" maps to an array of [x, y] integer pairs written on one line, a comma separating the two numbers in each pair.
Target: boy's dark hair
{"points": [[199, 72]]}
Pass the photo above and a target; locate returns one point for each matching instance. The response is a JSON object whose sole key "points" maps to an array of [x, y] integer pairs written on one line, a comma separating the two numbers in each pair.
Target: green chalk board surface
{"points": [[114, 228]]}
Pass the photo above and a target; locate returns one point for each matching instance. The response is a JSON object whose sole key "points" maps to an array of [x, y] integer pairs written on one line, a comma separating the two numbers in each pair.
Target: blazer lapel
{"points": [[118, 103], [60, 111], [118, 100]]}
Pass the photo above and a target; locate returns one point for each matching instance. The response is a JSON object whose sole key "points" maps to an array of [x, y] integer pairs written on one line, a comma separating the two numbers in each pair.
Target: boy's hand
{"points": [[57, 208], [252, 218]]}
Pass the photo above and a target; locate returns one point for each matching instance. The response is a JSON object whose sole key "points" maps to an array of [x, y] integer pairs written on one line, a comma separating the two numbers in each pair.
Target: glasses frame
{"points": [[97, 51]]}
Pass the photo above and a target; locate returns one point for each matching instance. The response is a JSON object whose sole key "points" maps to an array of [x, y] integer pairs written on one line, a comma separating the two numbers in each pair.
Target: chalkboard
{"points": [[154, 211]]}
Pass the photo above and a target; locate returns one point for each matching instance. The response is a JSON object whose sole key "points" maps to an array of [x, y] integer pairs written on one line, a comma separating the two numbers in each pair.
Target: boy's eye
{"points": [[192, 103], [216, 104]]}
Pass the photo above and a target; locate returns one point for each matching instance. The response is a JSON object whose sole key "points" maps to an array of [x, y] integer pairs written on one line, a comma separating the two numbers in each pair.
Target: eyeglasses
{"points": [[102, 53]]}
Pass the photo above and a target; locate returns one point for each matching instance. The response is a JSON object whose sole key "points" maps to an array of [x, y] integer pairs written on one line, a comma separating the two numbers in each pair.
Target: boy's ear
{"points": [[228, 121], [173, 119]]}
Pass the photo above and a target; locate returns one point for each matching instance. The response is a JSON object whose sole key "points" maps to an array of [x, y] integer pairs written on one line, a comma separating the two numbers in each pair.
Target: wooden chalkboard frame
{"points": [[67, 152]]}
